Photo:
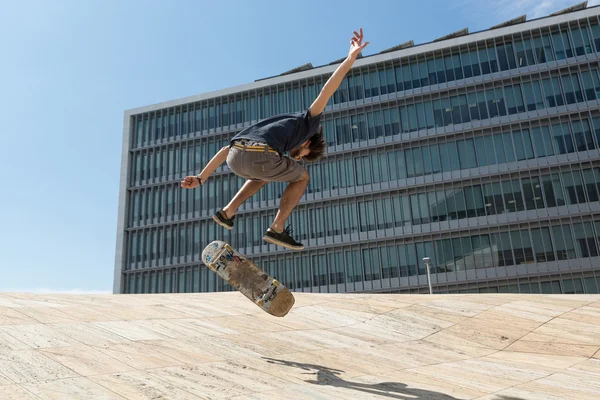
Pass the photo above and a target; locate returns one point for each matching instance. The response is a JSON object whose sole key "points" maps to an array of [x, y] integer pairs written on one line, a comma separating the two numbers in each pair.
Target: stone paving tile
{"points": [[342, 346]]}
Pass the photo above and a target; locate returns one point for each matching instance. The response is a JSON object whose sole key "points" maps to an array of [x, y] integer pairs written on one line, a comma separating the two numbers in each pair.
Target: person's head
{"points": [[313, 149]]}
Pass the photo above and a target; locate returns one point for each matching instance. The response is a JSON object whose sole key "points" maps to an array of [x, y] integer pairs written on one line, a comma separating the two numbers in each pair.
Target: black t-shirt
{"points": [[283, 132]]}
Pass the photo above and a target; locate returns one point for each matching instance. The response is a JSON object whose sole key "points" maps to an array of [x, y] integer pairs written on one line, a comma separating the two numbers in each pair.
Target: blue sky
{"points": [[70, 68]]}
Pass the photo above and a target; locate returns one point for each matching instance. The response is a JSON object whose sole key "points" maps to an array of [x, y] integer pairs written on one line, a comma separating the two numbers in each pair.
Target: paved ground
{"points": [[219, 345]]}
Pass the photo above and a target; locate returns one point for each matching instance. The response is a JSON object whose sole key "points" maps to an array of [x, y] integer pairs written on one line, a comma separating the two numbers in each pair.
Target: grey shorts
{"points": [[263, 165]]}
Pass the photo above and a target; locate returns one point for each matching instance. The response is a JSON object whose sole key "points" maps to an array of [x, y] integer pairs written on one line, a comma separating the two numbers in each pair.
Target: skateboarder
{"points": [[256, 153]]}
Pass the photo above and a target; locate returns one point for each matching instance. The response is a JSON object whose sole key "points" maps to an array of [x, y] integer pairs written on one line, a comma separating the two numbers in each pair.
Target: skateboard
{"points": [[254, 283]]}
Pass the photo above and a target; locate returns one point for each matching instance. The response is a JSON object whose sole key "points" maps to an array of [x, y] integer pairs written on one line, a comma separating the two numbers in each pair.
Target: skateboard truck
{"points": [[223, 257], [269, 293]]}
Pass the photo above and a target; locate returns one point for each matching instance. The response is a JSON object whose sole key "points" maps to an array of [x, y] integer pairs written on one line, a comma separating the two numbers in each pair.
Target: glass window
{"points": [[412, 118], [447, 112], [596, 36], [432, 74], [591, 186], [423, 75], [543, 49], [456, 117], [473, 107], [440, 71], [573, 187], [449, 67], [351, 175], [542, 141], [591, 84], [482, 110], [542, 244], [437, 207], [551, 287], [524, 53], [426, 157], [407, 82], [553, 93], [562, 45], [514, 99], [474, 201], [596, 128], [499, 149], [399, 81], [481, 150], [466, 63], [581, 41], [482, 251], [383, 81], [385, 123], [506, 57], [494, 202], [489, 60], [436, 165], [371, 125], [414, 208], [532, 191], [562, 138], [525, 249], [509, 197], [504, 252], [563, 240], [523, 146], [399, 163], [533, 95], [394, 121], [444, 158], [572, 286], [405, 125], [455, 202], [585, 241], [553, 190], [591, 286], [492, 102], [366, 169], [466, 153], [444, 255], [571, 88], [437, 113], [453, 156]]}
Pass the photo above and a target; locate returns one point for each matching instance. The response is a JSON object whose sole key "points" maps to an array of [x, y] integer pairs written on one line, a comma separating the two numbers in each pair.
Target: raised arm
{"points": [[356, 46], [190, 182]]}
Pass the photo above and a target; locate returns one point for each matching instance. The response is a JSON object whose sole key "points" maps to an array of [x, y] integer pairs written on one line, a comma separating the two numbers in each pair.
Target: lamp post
{"points": [[427, 261]]}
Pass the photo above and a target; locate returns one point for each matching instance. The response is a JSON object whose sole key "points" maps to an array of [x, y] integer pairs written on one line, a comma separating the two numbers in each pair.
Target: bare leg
{"points": [[248, 190], [289, 200]]}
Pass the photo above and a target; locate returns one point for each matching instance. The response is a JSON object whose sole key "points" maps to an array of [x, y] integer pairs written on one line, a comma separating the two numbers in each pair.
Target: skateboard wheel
{"points": [[229, 248], [212, 266], [275, 282], [260, 303]]}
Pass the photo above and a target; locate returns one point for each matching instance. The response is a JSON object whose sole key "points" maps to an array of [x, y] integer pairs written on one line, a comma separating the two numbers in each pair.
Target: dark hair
{"points": [[317, 146]]}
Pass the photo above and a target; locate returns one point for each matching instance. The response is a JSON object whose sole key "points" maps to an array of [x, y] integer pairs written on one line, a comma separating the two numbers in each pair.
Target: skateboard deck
{"points": [[254, 283]]}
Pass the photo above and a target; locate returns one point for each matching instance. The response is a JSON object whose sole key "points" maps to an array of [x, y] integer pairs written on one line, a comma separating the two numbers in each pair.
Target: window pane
{"points": [[565, 249], [466, 151]]}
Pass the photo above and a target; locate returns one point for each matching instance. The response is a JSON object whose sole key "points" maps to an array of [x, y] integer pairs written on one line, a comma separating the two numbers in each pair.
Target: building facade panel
{"points": [[482, 154]]}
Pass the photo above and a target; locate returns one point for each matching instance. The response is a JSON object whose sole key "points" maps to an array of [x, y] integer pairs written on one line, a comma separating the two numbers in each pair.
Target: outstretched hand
{"points": [[356, 44]]}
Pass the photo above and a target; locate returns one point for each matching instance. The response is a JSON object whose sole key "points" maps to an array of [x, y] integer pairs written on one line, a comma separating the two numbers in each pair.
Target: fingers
{"points": [[188, 182], [358, 37]]}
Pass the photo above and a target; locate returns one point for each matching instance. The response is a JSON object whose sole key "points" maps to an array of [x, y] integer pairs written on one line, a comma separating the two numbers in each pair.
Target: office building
{"points": [[478, 150]]}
